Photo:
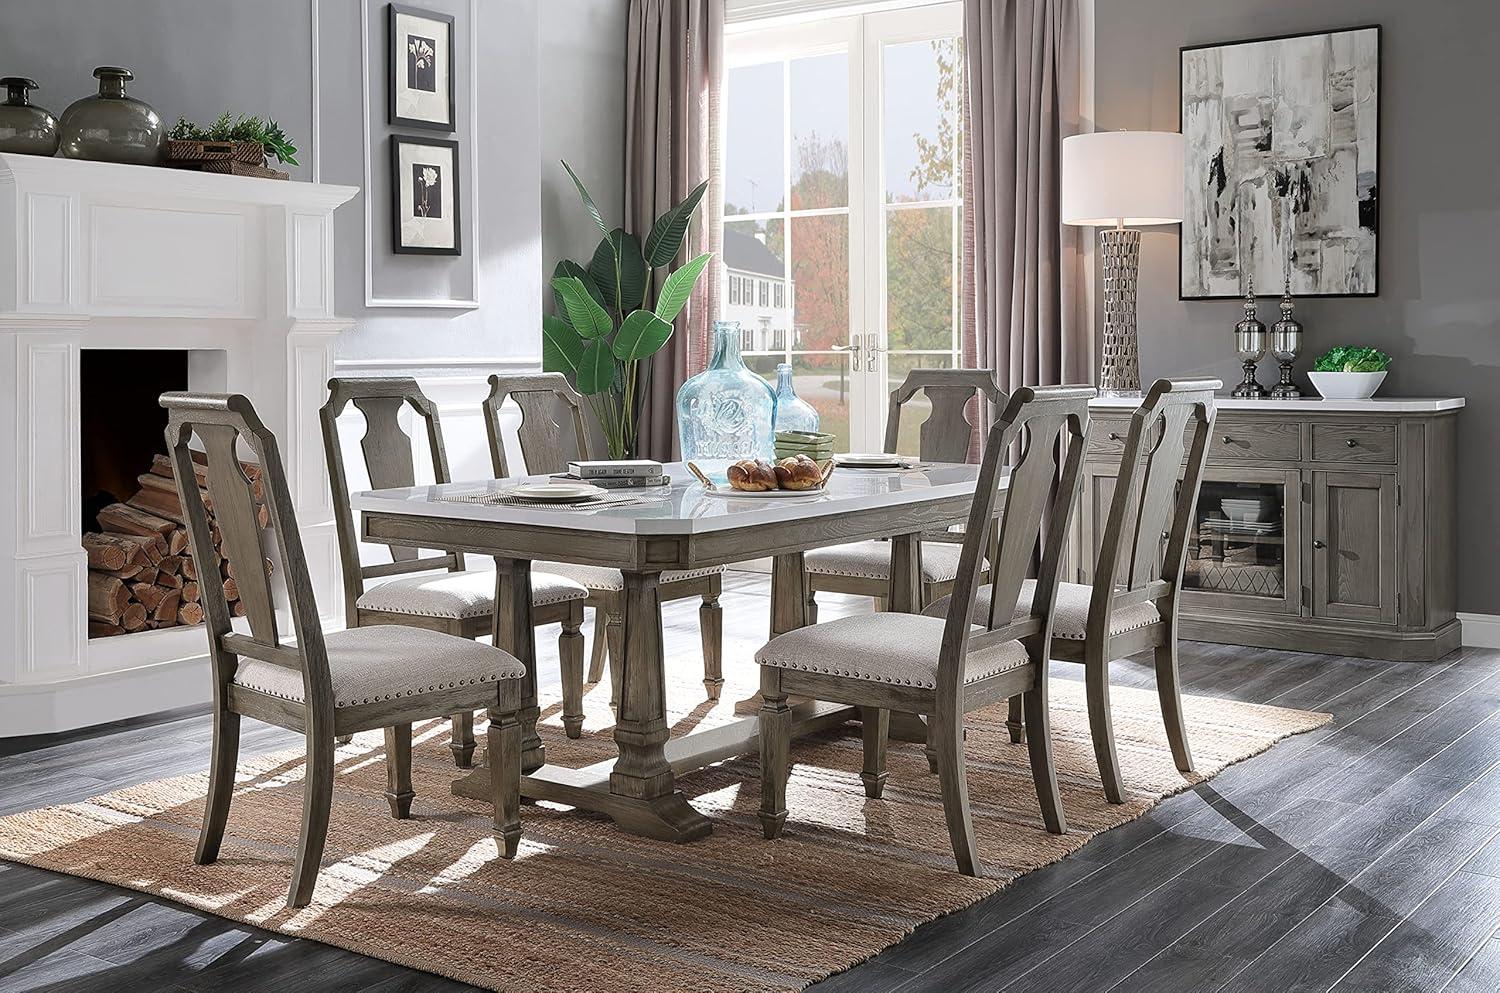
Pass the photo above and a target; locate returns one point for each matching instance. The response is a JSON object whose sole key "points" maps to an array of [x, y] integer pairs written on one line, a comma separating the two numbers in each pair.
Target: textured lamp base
{"points": [[1120, 368]]}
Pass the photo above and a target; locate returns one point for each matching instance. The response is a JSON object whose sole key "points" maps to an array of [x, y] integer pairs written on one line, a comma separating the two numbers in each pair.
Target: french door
{"points": [[842, 207]]}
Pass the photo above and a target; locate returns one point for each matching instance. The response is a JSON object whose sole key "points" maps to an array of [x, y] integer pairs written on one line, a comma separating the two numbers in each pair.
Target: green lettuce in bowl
{"points": [[1349, 372]]}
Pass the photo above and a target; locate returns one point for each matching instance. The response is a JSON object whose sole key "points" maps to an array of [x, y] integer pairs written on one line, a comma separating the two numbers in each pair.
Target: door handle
{"points": [[872, 350], [853, 349]]}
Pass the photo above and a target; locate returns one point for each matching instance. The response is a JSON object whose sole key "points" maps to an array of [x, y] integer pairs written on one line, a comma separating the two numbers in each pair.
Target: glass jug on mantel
{"points": [[726, 412], [792, 412]]}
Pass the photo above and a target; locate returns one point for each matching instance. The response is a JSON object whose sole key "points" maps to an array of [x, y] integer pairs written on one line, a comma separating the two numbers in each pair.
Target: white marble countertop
{"points": [[1311, 405], [683, 507]]}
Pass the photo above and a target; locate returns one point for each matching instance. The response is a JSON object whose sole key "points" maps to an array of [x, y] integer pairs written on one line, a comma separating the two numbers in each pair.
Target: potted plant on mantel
{"points": [[607, 327], [237, 146]]}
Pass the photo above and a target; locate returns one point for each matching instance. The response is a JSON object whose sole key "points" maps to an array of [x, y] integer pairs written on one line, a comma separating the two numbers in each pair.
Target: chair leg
{"points": [[226, 751], [1013, 722], [504, 741], [570, 661], [775, 748], [948, 735], [875, 729], [711, 627], [812, 606], [881, 604], [614, 629], [1171, 704], [1043, 768], [931, 748], [462, 745], [1101, 725], [398, 791], [597, 659], [317, 801]]}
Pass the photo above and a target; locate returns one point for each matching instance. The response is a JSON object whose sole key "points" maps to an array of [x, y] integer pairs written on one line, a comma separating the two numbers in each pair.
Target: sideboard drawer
{"points": [[1235, 441], [1107, 436], [1367, 442]]}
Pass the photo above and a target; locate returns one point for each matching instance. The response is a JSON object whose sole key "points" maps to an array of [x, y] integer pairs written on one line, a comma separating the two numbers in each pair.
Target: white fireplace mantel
{"points": [[98, 255]]}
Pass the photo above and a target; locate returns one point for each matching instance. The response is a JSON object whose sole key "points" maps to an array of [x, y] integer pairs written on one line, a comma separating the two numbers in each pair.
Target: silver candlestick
{"points": [[1120, 370], [1250, 347], [1286, 343]]}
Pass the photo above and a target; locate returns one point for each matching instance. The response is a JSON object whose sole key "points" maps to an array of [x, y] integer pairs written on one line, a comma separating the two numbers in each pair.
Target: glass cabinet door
{"points": [[1244, 542]]}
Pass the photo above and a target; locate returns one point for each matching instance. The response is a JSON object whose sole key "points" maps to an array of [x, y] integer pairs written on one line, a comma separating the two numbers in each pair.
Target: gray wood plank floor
{"points": [[1362, 856]]}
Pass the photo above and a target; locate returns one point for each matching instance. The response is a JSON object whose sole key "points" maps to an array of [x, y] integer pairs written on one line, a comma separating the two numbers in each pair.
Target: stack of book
{"points": [[615, 474]]}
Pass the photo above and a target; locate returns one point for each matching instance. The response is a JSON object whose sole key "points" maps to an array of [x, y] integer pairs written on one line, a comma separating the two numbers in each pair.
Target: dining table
{"points": [[643, 532]]}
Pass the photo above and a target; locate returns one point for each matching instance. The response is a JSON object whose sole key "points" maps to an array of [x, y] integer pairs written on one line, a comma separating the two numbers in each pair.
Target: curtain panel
{"points": [[1023, 313], [673, 128]]}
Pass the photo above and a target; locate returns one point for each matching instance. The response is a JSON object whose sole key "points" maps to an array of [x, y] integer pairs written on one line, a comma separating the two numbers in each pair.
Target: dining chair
{"points": [[324, 685], [1143, 549], [435, 591], [543, 399], [944, 667], [863, 568]]}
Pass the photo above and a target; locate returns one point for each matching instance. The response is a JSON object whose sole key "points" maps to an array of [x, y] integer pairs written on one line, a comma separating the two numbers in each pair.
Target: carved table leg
{"points": [[514, 633], [644, 797]]}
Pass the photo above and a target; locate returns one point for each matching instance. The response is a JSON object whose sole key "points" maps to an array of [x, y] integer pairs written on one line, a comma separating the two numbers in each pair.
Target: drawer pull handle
{"points": [[1227, 440], [1352, 443], [1318, 543], [1114, 436]]}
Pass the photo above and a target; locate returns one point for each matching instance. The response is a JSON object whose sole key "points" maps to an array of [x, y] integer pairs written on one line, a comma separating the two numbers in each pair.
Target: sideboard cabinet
{"points": [[1321, 526]]}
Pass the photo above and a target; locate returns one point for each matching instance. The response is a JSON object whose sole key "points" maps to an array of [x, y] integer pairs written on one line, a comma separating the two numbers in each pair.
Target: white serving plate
{"points": [[556, 492], [869, 460], [726, 491]]}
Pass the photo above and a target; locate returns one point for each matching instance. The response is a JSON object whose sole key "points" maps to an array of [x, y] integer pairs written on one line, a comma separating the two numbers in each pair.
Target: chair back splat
{"points": [[1150, 513], [1047, 424], [220, 422], [540, 397], [389, 463], [944, 436]]}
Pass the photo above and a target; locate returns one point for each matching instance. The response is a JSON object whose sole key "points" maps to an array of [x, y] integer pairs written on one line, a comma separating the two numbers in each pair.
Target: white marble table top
{"points": [[683, 508], [1310, 405]]}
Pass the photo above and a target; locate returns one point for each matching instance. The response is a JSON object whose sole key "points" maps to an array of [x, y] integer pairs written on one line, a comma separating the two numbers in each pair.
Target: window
{"points": [[765, 292], [780, 296], [734, 290]]}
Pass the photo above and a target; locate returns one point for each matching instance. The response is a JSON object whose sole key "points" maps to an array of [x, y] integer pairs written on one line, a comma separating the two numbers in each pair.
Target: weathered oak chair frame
{"points": [[390, 463], [944, 437], [220, 422], [538, 396], [1153, 502], [1038, 504]]}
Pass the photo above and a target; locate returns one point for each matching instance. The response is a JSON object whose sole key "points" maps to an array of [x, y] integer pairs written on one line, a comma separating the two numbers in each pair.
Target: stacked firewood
{"points": [[141, 572]]}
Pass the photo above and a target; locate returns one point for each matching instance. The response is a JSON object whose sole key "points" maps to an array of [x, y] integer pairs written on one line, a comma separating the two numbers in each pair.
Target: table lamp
{"points": [[1115, 179]]}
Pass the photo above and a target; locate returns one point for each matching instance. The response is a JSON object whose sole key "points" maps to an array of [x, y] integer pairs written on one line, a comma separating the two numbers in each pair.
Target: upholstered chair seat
{"points": [[899, 649], [387, 662], [602, 578], [1071, 617], [872, 560], [461, 595]]}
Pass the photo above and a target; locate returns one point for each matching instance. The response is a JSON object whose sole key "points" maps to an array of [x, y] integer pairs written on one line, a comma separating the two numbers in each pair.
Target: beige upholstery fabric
{"points": [[597, 577], [460, 595], [1072, 616], [883, 648], [872, 560], [387, 661]]}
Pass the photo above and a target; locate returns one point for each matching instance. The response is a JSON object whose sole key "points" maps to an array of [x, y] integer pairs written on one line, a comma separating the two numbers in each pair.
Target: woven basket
{"points": [[233, 158]]}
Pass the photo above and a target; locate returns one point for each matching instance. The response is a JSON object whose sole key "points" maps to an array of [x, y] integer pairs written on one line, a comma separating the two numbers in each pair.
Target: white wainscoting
{"points": [[1480, 630]]}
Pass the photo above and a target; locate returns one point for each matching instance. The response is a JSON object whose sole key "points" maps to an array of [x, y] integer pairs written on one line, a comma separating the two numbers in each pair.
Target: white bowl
{"points": [[1253, 510], [1347, 385]]}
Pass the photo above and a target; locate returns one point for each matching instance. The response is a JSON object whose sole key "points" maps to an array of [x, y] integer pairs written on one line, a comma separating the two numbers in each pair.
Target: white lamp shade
{"points": [[1134, 176]]}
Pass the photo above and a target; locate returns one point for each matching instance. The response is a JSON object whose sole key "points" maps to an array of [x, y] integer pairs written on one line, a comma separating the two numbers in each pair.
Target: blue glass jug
{"points": [[726, 412]]}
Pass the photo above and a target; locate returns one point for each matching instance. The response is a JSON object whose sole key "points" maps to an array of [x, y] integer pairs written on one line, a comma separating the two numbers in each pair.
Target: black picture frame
{"points": [[1374, 291], [397, 204], [397, 65]]}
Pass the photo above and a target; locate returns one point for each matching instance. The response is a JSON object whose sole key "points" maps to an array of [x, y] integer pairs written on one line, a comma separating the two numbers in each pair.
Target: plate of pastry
{"points": [[795, 476]]}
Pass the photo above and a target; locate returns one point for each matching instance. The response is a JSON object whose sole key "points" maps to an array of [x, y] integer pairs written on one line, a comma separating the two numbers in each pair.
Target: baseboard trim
{"points": [[105, 697], [1480, 630]]}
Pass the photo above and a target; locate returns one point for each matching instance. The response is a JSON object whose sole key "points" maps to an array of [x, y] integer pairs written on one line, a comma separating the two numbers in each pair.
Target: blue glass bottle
{"points": [[792, 412], [726, 412]]}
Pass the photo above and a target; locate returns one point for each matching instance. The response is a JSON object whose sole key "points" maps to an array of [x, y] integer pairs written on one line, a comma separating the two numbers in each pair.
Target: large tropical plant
{"points": [[606, 326]]}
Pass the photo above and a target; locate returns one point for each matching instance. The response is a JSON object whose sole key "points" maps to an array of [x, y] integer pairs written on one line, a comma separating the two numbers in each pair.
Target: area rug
{"points": [[586, 906]]}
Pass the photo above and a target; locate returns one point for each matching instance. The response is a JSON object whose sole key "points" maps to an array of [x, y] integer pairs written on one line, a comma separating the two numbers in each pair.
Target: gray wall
{"points": [[539, 61], [1438, 312]]}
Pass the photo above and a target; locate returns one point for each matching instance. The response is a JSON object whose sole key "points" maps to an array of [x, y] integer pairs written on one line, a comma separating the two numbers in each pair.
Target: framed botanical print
{"points": [[425, 198], [1283, 165], [421, 70]]}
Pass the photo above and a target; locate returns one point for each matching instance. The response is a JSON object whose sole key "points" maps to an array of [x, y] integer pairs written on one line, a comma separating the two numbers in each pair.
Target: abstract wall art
{"points": [[1282, 165]]}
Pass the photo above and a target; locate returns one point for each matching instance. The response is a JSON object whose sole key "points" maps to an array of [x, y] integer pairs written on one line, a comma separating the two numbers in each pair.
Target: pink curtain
{"points": [[1023, 312], [674, 77]]}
